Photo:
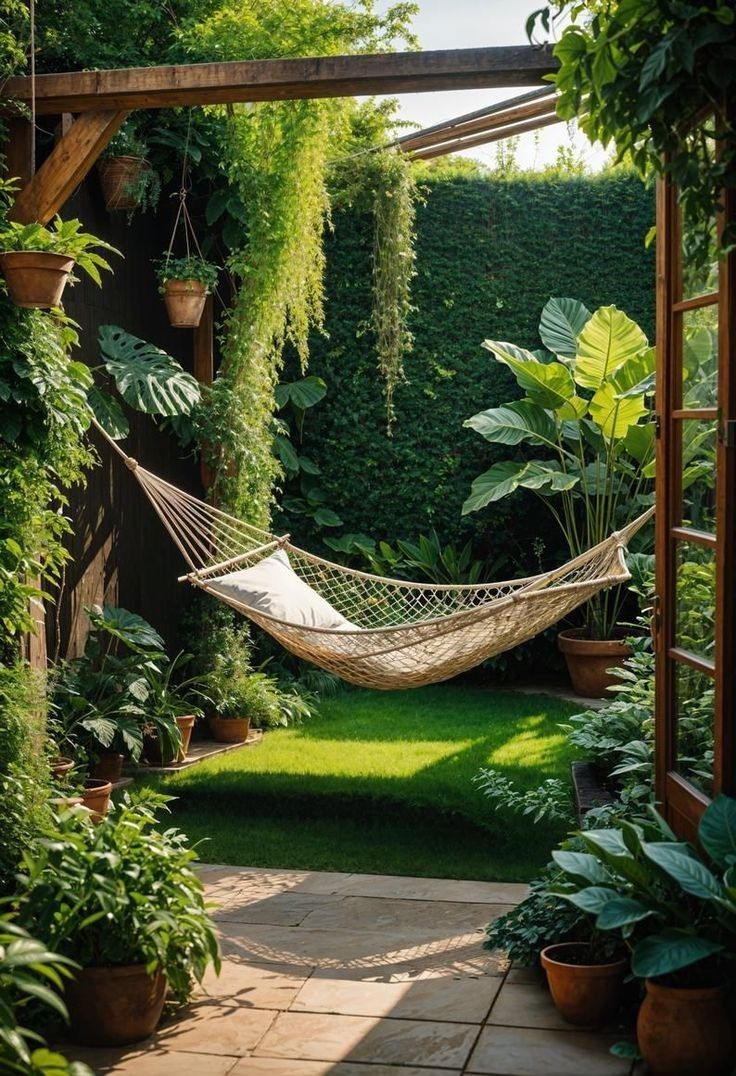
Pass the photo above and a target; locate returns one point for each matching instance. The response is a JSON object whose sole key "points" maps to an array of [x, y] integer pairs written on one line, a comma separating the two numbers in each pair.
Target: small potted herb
{"points": [[246, 699], [36, 261], [122, 901], [128, 181], [185, 284]]}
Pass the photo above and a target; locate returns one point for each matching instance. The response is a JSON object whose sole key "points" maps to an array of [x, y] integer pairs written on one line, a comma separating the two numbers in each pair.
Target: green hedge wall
{"points": [[489, 254]]}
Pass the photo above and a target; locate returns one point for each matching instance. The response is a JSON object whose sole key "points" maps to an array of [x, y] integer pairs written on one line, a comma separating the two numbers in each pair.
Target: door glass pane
{"points": [[700, 357], [694, 693], [699, 248], [698, 471], [695, 599]]}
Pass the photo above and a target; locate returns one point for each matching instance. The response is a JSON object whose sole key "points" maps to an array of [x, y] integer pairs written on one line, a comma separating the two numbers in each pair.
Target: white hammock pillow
{"points": [[273, 587]]}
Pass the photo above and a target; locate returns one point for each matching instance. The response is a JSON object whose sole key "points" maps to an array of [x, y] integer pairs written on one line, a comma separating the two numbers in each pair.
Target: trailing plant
{"points": [[120, 892], [551, 800], [642, 75], [191, 267], [29, 975], [62, 237], [586, 405]]}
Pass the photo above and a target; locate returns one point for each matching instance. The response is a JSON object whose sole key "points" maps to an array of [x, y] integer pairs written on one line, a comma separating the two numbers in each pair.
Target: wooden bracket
{"points": [[66, 166]]}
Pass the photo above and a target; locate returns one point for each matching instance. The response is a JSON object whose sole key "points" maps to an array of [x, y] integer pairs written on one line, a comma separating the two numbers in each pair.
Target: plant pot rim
{"points": [[693, 993], [55, 760], [118, 971], [53, 254], [124, 157], [97, 784], [188, 280], [186, 717], [574, 641], [620, 963]]}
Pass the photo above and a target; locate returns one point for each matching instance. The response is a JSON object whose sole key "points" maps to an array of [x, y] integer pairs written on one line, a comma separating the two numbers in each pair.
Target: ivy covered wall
{"points": [[490, 252]]}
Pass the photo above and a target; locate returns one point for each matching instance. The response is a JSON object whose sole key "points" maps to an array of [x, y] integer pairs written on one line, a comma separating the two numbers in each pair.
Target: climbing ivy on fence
{"points": [[489, 253]]}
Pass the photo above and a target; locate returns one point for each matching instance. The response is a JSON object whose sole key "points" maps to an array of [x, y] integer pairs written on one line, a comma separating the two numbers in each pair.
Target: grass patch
{"points": [[383, 782]]}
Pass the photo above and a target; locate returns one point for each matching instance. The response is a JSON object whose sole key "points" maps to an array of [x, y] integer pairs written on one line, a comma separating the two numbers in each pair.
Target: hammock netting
{"points": [[402, 634]]}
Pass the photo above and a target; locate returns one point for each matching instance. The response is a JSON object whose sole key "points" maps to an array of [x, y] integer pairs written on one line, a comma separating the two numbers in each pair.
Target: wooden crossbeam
{"points": [[66, 166], [456, 129], [496, 135], [275, 80]]}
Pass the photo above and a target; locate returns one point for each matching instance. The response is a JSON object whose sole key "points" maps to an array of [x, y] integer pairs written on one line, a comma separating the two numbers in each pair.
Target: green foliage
{"points": [[63, 237], [641, 75], [549, 800], [30, 974], [482, 270], [583, 412], [190, 268], [24, 771], [675, 910], [120, 892]]}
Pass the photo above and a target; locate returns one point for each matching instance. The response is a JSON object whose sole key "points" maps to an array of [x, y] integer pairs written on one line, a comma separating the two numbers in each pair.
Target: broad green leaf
{"points": [[130, 628], [639, 442], [548, 384], [616, 416], [504, 478], [514, 423], [670, 950], [637, 375], [303, 394], [572, 410], [147, 378], [690, 874], [622, 912], [581, 865], [561, 323], [609, 340], [717, 830], [286, 453], [592, 899], [108, 413], [325, 517]]}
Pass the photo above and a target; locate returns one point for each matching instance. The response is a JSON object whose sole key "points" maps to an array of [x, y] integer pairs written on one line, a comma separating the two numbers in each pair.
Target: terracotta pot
{"points": [[120, 179], [114, 1006], [96, 796], [152, 747], [584, 994], [185, 301], [588, 661], [682, 1032], [186, 724], [35, 278], [109, 767], [230, 729], [61, 765]]}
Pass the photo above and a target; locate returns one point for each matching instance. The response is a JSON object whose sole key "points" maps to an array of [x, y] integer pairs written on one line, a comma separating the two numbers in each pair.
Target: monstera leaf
{"points": [[108, 413], [608, 341], [561, 323], [147, 378]]}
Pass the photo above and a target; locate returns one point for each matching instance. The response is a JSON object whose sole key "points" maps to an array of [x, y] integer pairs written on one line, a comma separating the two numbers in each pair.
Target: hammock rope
{"points": [[403, 634]]}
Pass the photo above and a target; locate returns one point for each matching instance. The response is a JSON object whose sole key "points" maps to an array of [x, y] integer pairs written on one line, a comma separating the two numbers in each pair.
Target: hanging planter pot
{"points": [[123, 181], [35, 278], [185, 301]]}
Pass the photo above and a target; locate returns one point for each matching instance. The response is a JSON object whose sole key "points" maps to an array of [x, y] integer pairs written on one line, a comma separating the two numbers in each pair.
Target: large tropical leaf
{"points": [[614, 414], [622, 912], [514, 423], [581, 865], [147, 378], [304, 393], [690, 874], [130, 628], [717, 830], [609, 340], [548, 384], [670, 950], [593, 899], [561, 323], [639, 442], [108, 413], [504, 478]]}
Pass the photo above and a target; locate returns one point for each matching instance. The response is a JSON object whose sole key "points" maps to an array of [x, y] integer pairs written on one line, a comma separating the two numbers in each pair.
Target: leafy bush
{"points": [[63, 237], [189, 268], [29, 973], [120, 892]]}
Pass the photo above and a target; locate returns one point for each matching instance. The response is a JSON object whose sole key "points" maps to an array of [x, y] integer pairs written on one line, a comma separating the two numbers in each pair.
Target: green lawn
{"points": [[383, 782]]}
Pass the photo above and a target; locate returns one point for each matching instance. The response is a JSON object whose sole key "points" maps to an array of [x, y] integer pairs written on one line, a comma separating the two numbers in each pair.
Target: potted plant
{"points": [[585, 980], [185, 284], [36, 261], [241, 701], [171, 710], [128, 181], [586, 410], [677, 914], [136, 926]]}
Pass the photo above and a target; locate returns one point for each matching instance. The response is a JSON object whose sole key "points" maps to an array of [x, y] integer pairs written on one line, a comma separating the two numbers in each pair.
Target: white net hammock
{"points": [[402, 634]]}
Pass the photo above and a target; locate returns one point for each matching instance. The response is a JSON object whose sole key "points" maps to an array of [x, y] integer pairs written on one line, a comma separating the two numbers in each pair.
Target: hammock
{"points": [[392, 633]]}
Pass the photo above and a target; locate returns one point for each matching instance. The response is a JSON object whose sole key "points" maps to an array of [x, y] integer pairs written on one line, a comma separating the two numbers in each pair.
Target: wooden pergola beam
{"points": [[66, 166], [496, 135], [276, 80], [456, 129]]}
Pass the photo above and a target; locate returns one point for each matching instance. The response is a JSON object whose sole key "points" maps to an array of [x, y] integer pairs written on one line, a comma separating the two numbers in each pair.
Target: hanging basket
{"points": [[35, 278], [185, 301], [121, 181]]}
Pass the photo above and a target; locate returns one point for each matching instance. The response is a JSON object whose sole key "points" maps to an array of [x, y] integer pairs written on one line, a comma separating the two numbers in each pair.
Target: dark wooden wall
{"points": [[121, 554]]}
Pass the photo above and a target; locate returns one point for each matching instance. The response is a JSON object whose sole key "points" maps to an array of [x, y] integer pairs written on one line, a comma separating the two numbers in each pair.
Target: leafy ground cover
{"points": [[383, 782]]}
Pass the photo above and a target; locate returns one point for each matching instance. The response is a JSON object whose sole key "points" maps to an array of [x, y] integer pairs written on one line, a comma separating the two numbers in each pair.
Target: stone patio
{"points": [[362, 975]]}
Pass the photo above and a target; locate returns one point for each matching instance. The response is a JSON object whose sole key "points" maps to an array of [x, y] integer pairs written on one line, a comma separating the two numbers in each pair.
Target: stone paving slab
{"points": [[361, 975]]}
